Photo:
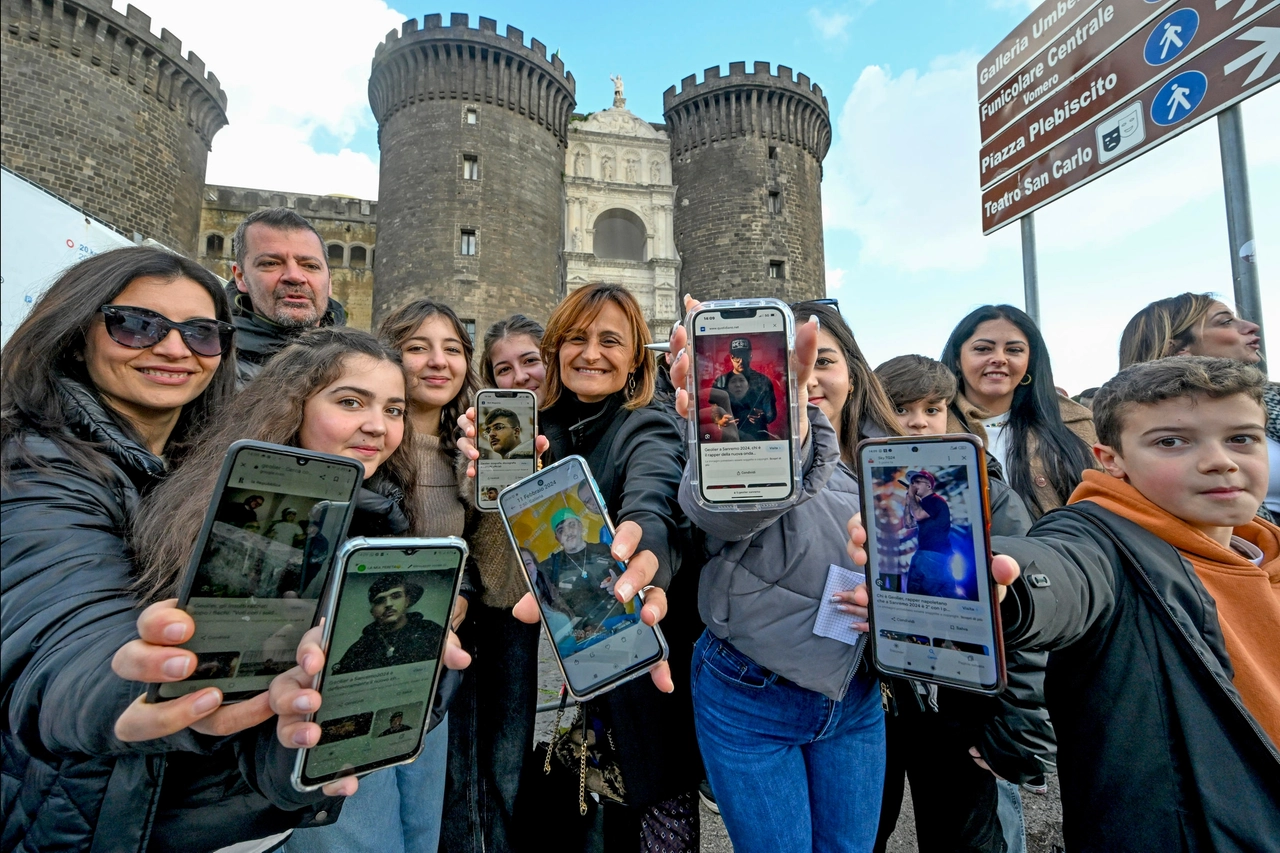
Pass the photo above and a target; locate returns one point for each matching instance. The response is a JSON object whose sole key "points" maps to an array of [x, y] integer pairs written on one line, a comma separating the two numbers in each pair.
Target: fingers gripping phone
{"points": [[935, 615], [260, 564], [744, 404], [558, 525], [506, 427], [385, 628]]}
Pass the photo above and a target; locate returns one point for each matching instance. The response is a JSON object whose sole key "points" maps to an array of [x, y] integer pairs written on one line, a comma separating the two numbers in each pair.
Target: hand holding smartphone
{"points": [[506, 431], [935, 613], [386, 622]]}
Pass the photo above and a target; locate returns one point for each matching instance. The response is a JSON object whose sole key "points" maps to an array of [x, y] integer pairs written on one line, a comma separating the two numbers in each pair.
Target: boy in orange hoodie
{"points": [[1157, 592]]}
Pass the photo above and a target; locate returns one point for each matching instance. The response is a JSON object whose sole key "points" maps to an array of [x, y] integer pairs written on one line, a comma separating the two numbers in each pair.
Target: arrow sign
{"points": [[1177, 36], [1207, 84], [1265, 52]]}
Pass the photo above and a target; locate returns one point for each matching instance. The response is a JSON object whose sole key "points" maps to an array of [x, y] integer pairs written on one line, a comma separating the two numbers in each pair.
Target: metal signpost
{"points": [[1081, 87]]}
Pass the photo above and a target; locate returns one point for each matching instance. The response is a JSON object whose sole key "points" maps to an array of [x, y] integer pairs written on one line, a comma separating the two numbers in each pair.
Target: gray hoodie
{"points": [[765, 573]]}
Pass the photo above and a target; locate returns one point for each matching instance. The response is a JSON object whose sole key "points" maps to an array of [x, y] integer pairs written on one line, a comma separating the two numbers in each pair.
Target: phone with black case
{"points": [[260, 564], [935, 615], [386, 623], [506, 428]]}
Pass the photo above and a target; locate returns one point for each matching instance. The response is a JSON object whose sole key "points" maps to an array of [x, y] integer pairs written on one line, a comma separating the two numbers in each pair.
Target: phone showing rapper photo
{"points": [[558, 525], [506, 426], [385, 625], [935, 615], [742, 427], [260, 564]]}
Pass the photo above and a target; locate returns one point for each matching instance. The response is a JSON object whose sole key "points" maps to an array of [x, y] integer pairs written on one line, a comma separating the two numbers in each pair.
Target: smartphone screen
{"points": [[506, 426], [563, 536], [264, 555], [742, 420], [386, 633], [932, 607]]}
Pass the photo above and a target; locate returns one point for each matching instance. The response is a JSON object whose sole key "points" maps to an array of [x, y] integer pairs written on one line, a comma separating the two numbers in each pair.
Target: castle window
{"points": [[775, 202], [773, 152], [777, 269], [472, 115], [213, 245], [468, 243], [335, 254], [470, 167], [471, 329], [357, 256], [620, 235]]}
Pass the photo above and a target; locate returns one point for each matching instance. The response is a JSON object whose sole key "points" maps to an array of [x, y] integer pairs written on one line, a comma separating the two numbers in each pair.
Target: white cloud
{"points": [[830, 25], [835, 280], [288, 72]]}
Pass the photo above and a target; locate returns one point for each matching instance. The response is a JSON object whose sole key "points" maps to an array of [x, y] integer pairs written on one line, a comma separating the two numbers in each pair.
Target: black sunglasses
{"points": [[834, 303], [139, 328]]}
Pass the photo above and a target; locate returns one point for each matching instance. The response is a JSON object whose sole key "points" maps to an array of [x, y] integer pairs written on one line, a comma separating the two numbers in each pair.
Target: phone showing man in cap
{"points": [[582, 572], [396, 635], [751, 393], [928, 516]]}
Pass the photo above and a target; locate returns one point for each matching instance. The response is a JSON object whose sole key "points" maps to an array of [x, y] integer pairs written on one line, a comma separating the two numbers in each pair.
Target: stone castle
{"points": [[495, 195]]}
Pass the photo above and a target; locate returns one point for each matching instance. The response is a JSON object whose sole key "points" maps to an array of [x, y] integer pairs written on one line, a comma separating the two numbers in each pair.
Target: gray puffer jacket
{"points": [[765, 573]]}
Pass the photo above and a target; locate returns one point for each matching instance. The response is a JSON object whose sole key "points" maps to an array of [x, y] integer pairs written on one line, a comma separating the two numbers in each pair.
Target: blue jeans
{"points": [[791, 770], [930, 574], [396, 810], [1009, 809]]}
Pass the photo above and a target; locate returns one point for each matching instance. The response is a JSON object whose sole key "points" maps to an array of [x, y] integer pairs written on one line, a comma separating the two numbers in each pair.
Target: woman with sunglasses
{"points": [[104, 384]]}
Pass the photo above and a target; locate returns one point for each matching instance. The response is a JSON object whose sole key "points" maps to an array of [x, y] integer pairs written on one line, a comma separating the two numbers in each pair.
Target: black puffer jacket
{"points": [[1157, 751], [637, 458], [257, 338], [65, 608]]}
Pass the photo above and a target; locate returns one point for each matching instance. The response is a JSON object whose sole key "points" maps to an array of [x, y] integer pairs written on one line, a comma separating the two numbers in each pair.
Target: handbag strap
{"points": [[555, 730]]}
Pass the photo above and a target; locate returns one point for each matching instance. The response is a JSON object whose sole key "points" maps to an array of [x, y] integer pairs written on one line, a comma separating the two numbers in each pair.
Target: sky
{"points": [[905, 253]]}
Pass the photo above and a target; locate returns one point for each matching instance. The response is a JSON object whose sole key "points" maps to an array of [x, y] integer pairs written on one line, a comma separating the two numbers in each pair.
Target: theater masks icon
{"points": [[1121, 132]]}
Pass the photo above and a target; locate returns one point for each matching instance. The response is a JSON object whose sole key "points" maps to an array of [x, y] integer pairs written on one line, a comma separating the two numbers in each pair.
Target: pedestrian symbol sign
{"points": [[1171, 37], [1178, 98]]}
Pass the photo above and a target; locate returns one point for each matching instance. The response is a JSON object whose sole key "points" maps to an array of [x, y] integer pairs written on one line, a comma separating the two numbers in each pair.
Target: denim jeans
{"points": [[930, 574], [1009, 809], [396, 810], [791, 769]]}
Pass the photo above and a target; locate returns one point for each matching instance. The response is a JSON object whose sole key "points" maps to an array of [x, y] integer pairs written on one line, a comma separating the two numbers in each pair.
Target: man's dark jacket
{"points": [[257, 338], [66, 606], [419, 640], [1156, 749]]}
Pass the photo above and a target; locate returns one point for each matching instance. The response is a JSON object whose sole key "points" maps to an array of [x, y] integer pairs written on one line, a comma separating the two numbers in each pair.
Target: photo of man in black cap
{"points": [[396, 636], [751, 393]]}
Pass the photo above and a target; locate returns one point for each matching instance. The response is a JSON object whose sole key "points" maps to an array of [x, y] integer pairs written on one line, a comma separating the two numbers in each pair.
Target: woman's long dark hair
{"points": [[269, 409], [516, 325], [401, 324], [1034, 411], [867, 402], [50, 343]]}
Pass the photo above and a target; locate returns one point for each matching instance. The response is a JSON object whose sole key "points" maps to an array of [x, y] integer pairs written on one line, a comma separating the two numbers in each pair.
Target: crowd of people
{"points": [[1138, 568]]}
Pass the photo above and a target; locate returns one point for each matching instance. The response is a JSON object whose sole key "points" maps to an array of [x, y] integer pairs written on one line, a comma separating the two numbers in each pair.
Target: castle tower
{"points": [[472, 127], [746, 158], [111, 118]]}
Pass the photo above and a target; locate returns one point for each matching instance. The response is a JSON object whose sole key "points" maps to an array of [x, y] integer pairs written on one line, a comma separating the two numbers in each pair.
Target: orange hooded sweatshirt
{"points": [[1247, 596]]}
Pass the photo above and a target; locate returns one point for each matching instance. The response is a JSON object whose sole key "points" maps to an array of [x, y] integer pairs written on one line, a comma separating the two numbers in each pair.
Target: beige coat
{"points": [[1077, 418]]}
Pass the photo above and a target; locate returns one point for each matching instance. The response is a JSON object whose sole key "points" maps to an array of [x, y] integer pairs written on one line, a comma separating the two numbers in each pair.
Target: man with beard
{"points": [[751, 393], [502, 430], [280, 286], [395, 636], [582, 572]]}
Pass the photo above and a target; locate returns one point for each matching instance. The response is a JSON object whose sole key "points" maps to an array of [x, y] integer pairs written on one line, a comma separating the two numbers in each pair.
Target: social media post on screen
{"points": [[388, 635], [564, 543], [505, 438], [929, 574]]}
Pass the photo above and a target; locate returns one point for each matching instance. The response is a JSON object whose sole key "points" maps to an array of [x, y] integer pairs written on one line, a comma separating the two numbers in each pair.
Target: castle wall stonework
{"points": [[747, 153], [442, 95], [108, 116]]}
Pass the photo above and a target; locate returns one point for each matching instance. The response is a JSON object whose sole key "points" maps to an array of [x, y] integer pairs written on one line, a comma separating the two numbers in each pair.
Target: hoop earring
{"points": [[1026, 379], [631, 385]]}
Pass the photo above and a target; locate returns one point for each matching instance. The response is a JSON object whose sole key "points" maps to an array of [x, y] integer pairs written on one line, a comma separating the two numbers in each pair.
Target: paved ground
{"points": [[1043, 814]]}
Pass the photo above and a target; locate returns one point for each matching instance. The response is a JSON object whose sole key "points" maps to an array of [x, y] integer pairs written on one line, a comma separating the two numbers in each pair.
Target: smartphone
{"points": [[260, 564], [385, 624], [506, 427], [934, 612], [742, 429], [558, 525]]}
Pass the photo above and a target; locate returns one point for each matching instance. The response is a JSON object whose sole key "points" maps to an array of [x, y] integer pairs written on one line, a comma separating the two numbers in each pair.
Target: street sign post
{"points": [[1225, 74], [1167, 41]]}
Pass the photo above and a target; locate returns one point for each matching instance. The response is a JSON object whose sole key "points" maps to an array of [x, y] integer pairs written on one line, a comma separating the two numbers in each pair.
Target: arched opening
{"points": [[619, 236], [335, 254], [213, 246], [357, 256]]}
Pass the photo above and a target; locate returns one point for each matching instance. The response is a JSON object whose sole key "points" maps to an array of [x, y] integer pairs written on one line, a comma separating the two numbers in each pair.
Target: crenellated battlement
{"points": [[432, 61], [125, 47], [782, 107], [247, 200]]}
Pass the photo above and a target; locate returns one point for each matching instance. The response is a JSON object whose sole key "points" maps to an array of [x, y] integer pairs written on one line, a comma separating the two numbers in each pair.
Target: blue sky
{"points": [[904, 250]]}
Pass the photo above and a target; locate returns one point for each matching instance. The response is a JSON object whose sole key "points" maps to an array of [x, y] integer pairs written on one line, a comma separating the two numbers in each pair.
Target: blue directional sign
{"points": [[1178, 98], [1171, 37]]}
